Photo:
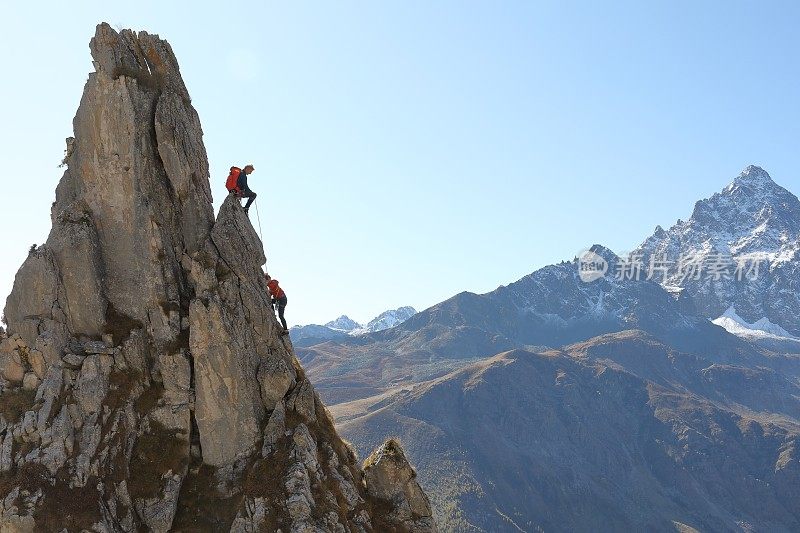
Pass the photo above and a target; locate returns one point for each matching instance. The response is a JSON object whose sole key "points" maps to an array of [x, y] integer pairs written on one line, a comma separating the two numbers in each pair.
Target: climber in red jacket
{"points": [[237, 184], [279, 299]]}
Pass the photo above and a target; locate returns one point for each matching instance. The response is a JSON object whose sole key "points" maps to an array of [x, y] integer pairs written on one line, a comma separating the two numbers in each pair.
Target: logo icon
{"points": [[591, 266]]}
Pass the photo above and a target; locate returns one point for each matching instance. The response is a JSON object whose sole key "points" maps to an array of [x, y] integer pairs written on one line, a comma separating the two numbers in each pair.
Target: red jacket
{"points": [[274, 290]]}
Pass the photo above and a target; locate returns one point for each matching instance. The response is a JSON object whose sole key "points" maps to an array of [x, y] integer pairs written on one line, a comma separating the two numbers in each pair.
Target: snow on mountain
{"points": [[739, 248], [752, 215], [386, 320], [343, 323], [345, 326], [762, 328]]}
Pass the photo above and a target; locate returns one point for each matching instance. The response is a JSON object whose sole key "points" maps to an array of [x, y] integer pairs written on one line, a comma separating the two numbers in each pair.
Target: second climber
{"points": [[279, 299]]}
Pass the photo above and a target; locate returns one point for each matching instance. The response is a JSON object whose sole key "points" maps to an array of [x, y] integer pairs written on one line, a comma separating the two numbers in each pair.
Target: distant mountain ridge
{"points": [[345, 326]]}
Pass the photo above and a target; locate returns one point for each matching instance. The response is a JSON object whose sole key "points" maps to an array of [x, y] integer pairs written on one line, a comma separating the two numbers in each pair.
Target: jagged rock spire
{"points": [[155, 388]]}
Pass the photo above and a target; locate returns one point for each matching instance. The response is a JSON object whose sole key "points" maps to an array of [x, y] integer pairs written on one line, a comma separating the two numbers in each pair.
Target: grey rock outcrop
{"points": [[144, 380], [11, 366], [390, 478]]}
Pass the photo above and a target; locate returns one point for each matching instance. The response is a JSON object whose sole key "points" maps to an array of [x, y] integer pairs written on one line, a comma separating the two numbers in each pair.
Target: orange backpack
{"points": [[233, 178]]}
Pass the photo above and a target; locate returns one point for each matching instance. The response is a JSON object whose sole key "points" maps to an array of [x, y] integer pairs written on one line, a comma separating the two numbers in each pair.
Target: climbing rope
{"points": [[258, 216]]}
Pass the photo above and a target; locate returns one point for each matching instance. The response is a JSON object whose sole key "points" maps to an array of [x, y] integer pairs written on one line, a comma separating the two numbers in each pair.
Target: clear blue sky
{"points": [[409, 150]]}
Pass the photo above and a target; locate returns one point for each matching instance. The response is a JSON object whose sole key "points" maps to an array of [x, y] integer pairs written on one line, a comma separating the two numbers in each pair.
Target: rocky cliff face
{"points": [[144, 381]]}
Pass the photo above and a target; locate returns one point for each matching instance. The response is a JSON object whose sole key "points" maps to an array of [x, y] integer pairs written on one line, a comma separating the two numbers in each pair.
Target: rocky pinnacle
{"points": [[143, 380]]}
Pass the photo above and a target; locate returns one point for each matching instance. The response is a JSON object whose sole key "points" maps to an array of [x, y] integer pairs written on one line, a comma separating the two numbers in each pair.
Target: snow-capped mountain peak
{"points": [[753, 177], [744, 242], [345, 326], [751, 198], [343, 323], [753, 214], [387, 319]]}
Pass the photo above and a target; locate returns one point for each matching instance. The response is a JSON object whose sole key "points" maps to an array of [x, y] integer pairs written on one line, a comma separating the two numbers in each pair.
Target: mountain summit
{"points": [[753, 176], [387, 319], [145, 381], [751, 214], [739, 248], [343, 323]]}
